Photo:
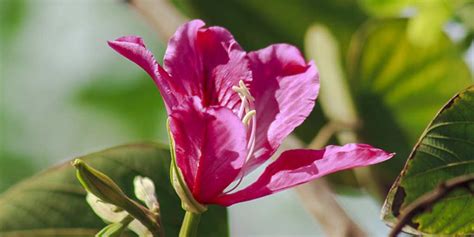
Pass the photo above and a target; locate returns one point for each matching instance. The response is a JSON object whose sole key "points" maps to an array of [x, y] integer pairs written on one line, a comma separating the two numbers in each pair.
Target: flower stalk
{"points": [[190, 224]]}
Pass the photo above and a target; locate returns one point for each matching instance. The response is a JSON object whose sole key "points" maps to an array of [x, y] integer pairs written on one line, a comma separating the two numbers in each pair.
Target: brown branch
{"points": [[428, 200]]}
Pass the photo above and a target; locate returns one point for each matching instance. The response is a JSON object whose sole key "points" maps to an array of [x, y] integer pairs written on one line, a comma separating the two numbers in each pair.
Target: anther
{"points": [[248, 116]]}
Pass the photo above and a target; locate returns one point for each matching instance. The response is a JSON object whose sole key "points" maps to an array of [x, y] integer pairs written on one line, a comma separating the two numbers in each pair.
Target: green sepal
{"points": [[188, 203]]}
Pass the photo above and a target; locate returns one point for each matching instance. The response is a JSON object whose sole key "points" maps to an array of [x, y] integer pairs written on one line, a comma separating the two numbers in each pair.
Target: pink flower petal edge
{"points": [[133, 48], [295, 167], [285, 88]]}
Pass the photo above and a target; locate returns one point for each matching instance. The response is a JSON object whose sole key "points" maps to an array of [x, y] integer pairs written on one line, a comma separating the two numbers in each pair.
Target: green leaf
{"points": [[399, 87], [53, 203], [444, 151]]}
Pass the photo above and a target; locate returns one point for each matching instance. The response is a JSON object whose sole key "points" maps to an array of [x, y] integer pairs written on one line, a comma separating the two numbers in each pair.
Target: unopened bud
{"points": [[100, 184]]}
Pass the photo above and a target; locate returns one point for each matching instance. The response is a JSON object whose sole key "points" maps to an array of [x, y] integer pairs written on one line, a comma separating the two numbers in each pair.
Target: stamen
{"points": [[248, 116], [250, 120], [245, 91]]}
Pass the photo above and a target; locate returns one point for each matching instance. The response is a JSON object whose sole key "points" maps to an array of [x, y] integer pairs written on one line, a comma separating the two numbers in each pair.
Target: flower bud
{"points": [[100, 184]]}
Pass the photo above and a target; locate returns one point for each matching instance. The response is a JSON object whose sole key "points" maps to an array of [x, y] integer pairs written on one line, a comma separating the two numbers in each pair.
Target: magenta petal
{"points": [[133, 48], [225, 64], [210, 147], [295, 167], [183, 61], [207, 62], [285, 88]]}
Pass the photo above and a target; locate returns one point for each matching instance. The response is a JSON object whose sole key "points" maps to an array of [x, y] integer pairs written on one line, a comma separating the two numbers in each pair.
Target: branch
{"points": [[428, 200]]}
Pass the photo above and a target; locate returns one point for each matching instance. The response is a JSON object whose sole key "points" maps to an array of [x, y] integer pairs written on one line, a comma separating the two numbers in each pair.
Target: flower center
{"points": [[249, 119]]}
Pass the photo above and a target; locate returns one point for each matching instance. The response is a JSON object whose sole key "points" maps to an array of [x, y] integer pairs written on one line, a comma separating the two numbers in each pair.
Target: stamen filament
{"points": [[249, 120]]}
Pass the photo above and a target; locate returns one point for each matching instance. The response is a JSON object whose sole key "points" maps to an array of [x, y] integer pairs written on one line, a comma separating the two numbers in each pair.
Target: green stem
{"points": [[190, 224]]}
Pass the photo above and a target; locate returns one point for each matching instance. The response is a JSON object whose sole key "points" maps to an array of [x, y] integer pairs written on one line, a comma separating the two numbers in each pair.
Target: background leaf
{"points": [[398, 87], [52, 203], [444, 151]]}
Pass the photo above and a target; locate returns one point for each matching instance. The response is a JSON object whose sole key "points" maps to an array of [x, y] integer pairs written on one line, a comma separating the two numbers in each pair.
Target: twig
{"points": [[428, 200]]}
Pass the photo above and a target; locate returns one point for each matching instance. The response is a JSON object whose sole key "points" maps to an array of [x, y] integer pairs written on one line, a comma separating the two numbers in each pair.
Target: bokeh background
{"points": [[64, 92]]}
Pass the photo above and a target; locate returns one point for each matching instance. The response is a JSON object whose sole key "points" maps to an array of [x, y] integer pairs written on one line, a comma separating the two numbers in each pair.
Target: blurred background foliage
{"points": [[64, 93]]}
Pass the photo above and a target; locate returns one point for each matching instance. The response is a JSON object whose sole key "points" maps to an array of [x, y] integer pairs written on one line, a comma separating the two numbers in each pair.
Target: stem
{"points": [[190, 224]]}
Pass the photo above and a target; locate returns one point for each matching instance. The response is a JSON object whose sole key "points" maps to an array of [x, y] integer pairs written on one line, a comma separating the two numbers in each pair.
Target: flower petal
{"points": [[285, 88], [182, 60], [225, 64], [295, 167], [145, 191], [133, 48], [210, 146], [207, 62]]}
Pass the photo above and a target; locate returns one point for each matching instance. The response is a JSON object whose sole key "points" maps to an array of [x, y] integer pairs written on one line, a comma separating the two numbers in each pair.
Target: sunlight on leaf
{"points": [[443, 152], [399, 86]]}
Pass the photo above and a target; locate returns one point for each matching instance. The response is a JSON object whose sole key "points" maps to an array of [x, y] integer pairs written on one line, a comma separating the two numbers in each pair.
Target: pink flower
{"points": [[230, 110]]}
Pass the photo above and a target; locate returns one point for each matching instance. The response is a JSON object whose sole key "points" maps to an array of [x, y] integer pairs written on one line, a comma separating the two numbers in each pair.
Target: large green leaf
{"points": [[52, 203], [444, 151], [399, 87]]}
